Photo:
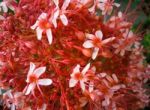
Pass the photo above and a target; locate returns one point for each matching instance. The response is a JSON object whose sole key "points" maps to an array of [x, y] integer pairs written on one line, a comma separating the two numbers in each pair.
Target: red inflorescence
{"points": [[70, 55]]}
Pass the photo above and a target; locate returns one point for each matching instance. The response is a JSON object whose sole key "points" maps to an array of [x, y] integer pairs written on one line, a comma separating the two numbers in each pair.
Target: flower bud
{"points": [[80, 35], [87, 52]]}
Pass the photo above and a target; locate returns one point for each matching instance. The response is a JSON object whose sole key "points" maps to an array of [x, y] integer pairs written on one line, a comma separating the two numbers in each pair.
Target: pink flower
{"points": [[33, 78], [96, 42], [111, 86], [43, 25], [60, 13], [125, 44], [107, 6], [79, 76]]}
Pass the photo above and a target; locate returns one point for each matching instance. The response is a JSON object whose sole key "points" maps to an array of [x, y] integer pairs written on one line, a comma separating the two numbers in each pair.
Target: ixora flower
{"points": [[5, 4], [125, 44], [79, 76], [33, 78], [43, 25], [96, 42], [107, 6], [13, 100], [60, 13], [111, 85]]}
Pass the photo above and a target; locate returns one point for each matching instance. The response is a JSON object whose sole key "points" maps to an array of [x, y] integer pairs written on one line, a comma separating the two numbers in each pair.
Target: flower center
{"points": [[97, 42], [44, 24], [33, 78], [78, 76]]}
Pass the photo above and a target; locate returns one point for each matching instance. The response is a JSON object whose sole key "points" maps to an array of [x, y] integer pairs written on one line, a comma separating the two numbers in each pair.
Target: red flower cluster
{"points": [[70, 55]]}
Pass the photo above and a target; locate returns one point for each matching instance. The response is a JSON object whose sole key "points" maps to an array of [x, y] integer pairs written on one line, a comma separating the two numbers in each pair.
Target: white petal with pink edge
{"points": [[65, 4], [82, 85], [35, 25], [95, 53], [86, 68], [39, 71], [44, 82], [49, 35], [99, 34], [108, 40], [64, 19], [30, 88], [89, 36], [88, 44], [39, 33], [72, 82], [12, 106], [76, 70]]}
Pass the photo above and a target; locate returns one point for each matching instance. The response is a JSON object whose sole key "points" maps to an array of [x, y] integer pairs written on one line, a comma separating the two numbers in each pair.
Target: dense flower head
{"points": [[63, 55]]}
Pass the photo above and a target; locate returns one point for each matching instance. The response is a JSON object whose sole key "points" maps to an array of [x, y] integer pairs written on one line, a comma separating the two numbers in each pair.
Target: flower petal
{"points": [[99, 34], [49, 36], [117, 4], [82, 85], [92, 9], [108, 40], [39, 33], [64, 19], [4, 7], [11, 7], [12, 106], [88, 44], [95, 53], [31, 69], [76, 70], [115, 78], [44, 82], [39, 71], [91, 87], [35, 25], [55, 17], [30, 88], [65, 4], [72, 82], [9, 94], [89, 36], [86, 68], [56, 2], [106, 102], [42, 16]]}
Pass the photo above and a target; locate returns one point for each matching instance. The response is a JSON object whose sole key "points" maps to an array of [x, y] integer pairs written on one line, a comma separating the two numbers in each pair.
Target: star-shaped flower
{"points": [[60, 13], [33, 78], [79, 76], [43, 25], [96, 42], [107, 6]]}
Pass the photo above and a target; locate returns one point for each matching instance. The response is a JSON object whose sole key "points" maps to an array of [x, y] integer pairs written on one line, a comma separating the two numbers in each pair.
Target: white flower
{"points": [[96, 42], [43, 25], [79, 76], [107, 6], [60, 13], [6, 4], [12, 100], [33, 78]]}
